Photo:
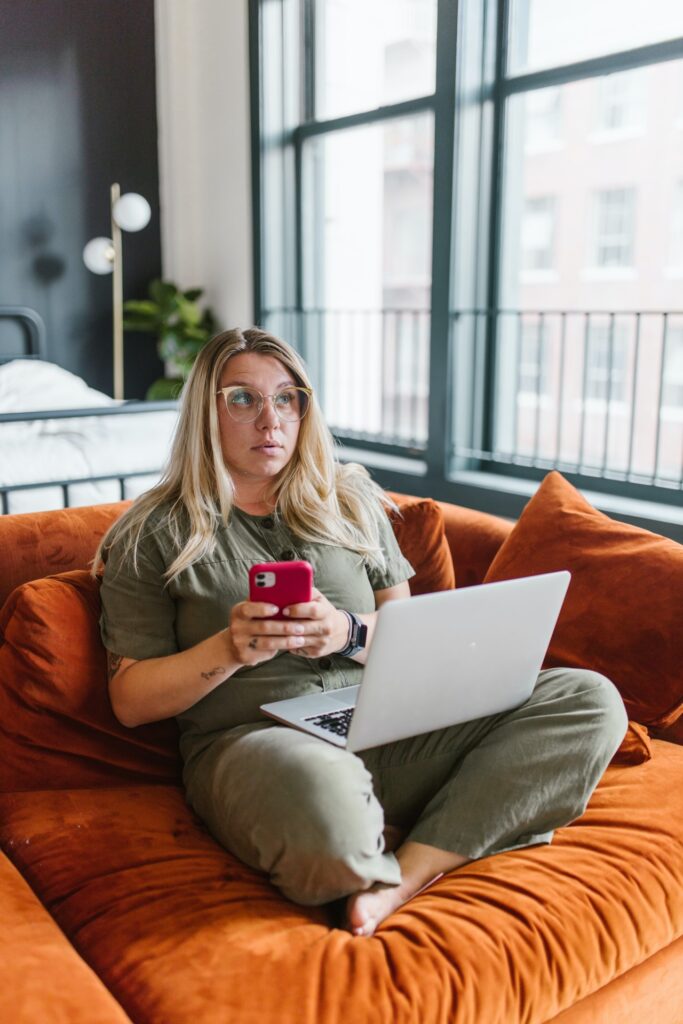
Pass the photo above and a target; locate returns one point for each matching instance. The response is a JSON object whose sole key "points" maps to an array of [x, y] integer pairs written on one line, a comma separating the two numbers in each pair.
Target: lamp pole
{"points": [[117, 296], [130, 212]]}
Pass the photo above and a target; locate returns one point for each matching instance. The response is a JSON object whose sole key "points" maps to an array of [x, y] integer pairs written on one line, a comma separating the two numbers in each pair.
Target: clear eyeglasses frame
{"points": [[245, 404]]}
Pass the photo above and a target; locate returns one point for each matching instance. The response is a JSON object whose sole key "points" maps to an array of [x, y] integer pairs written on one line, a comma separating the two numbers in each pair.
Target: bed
{"points": [[63, 443]]}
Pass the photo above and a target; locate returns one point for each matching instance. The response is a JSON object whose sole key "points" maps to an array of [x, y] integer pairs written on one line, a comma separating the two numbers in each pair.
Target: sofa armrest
{"points": [[42, 977], [474, 538]]}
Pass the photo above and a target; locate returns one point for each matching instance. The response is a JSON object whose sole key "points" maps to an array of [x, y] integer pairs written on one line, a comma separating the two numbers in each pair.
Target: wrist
{"points": [[345, 627], [357, 637], [230, 649]]}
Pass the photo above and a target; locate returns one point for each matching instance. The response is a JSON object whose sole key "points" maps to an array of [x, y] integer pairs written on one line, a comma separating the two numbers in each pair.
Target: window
{"points": [[544, 33], [613, 227], [371, 55], [538, 230], [455, 254]]}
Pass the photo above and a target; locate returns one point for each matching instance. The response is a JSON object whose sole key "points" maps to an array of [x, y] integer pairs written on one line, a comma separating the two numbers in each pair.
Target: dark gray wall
{"points": [[77, 112]]}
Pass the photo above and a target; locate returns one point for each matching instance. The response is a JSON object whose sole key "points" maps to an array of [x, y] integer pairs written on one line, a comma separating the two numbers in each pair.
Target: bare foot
{"points": [[365, 910], [421, 865]]}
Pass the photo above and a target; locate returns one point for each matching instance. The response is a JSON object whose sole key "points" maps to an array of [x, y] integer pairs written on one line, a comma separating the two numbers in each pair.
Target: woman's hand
{"points": [[325, 628], [253, 638]]}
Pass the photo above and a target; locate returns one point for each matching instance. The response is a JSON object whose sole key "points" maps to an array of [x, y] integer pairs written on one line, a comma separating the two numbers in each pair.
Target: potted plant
{"points": [[181, 326]]}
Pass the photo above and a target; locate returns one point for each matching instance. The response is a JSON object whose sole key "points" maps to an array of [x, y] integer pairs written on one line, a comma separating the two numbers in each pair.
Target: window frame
{"points": [[479, 481]]}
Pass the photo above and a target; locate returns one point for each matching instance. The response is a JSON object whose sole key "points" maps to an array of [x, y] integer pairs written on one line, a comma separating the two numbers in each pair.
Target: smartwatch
{"points": [[358, 635]]}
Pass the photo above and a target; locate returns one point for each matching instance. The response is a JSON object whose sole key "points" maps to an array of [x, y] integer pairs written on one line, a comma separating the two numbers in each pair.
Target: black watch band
{"points": [[358, 636]]}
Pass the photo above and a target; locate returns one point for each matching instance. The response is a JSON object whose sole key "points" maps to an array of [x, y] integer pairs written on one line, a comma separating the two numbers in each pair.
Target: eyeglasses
{"points": [[246, 404]]}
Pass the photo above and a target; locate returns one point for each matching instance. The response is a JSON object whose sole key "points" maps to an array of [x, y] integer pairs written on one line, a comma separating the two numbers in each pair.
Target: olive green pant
{"points": [[311, 814]]}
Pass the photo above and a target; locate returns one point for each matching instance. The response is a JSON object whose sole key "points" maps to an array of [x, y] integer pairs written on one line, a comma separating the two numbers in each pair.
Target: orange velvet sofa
{"points": [[117, 905]]}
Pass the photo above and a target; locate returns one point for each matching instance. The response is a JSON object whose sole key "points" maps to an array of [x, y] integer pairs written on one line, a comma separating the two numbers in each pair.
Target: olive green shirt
{"points": [[145, 617]]}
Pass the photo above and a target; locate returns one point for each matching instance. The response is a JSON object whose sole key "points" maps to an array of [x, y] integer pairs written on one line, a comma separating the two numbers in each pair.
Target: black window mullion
{"points": [[309, 61], [594, 67], [487, 441], [364, 117], [442, 216], [255, 48]]}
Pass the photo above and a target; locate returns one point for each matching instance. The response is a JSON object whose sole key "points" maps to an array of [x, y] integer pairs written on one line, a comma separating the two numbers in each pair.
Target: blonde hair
{"points": [[320, 499]]}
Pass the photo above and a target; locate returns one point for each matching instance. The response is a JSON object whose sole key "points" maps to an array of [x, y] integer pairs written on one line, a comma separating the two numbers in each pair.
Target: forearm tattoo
{"points": [[214, 672], [113, 663]]}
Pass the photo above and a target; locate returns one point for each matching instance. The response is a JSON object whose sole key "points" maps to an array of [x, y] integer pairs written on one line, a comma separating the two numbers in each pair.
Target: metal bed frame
{"points": [[34, 332]]}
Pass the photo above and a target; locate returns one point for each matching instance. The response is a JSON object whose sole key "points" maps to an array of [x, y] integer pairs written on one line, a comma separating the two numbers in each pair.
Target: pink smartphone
{"points": [[281, 583]]}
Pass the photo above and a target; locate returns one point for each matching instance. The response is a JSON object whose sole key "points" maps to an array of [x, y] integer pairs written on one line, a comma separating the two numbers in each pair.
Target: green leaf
{"points": [[165, 294], [141, 306], [209, 323], [196, 334], [164, 388], [192, 294], [189, 312], [131, 324]]}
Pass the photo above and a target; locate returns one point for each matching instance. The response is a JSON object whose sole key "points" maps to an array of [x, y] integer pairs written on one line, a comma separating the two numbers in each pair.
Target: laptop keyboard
{"points": [[334, 721]]}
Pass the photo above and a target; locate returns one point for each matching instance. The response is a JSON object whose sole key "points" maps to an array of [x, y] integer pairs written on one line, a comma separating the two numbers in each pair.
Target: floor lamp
{"points": [[129, 212]]}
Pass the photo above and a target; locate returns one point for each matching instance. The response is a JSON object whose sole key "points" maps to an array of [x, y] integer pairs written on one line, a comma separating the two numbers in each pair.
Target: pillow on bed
{"points": [[622, 613], [32, 384]]}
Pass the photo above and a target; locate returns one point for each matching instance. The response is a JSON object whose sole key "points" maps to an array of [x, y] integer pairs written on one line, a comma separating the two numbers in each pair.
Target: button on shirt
{"points": [[143, 617]]}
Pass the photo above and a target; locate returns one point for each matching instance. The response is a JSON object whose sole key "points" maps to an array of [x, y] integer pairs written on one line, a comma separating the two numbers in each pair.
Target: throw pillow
{"points": [[635, 748], [57, 729], [421, 536], [622, 613]]}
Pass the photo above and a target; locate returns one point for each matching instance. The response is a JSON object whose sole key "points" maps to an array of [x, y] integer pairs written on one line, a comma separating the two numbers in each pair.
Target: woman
{"points": [[252, 477]]}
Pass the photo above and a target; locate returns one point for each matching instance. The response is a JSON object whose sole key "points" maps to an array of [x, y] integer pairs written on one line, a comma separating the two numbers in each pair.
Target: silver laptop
{"points": [[437, 660]]}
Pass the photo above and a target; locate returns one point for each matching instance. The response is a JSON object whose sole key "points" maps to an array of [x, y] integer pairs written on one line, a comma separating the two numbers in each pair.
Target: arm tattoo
{"points": [[113, 663], [213, 672]]}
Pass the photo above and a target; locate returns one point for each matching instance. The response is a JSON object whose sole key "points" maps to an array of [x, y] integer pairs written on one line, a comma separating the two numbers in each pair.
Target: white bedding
{"points": [[61, 449]]}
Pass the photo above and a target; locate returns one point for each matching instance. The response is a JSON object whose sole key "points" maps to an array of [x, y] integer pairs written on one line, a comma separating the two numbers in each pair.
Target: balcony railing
{"points": [[370, 369], [595, 394]]}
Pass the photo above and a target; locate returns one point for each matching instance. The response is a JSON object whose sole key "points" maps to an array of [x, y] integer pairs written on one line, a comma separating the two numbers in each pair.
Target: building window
{"points": [[538, 233], [534, 378], [606, 363], [614, 227], [620, 106]]}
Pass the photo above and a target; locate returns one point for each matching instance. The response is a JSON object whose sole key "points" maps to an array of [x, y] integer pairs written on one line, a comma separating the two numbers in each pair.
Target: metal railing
{"points": [[591, 393], [370, 368], [65, 485]]}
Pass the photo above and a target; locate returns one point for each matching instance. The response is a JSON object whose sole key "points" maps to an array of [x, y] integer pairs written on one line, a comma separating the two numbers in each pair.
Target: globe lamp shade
{"points": [[98, 255], [132, 212]]}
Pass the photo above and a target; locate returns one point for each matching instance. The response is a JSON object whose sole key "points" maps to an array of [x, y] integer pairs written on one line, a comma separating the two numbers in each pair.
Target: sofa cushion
{"points": [[35, 544], [36, 959], [474, 538], [57, 728], [420, 533], [179, 930], [622, 613]]}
